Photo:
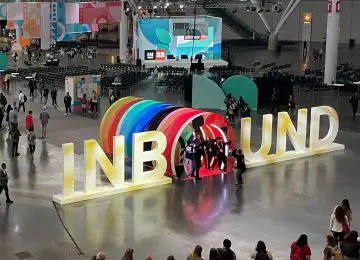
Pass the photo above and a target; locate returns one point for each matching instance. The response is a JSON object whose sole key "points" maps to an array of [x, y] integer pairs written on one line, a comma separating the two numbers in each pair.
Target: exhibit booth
{"points": [[175, 41]]}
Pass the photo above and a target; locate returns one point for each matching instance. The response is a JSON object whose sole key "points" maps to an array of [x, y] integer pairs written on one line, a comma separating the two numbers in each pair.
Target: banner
{"points": [[45, 26], [3, 12], [15, 11], [32, 20], [100, 12], [72, 13]]}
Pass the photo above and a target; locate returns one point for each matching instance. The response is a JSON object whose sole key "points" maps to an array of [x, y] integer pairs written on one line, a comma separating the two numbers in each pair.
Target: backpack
{"points": [[295, 253], [25, 98]]}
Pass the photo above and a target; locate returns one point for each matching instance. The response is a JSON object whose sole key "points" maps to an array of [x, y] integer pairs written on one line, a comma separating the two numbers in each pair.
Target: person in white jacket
{"points": [[339, 223]]}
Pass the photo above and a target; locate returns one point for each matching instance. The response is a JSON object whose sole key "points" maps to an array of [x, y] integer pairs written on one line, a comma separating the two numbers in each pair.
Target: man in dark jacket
{"points": [[67, 103], [4, 182], [199, 150], [15, 136], [226, 253], [53, 95], [240, 166]]}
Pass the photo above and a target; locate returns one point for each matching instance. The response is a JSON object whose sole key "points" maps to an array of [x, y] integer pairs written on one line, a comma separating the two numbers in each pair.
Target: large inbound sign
{"points": [[131, 118]]}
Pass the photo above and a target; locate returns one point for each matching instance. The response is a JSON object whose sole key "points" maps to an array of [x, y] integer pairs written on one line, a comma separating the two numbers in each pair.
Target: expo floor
{"points": [[277, 204]]}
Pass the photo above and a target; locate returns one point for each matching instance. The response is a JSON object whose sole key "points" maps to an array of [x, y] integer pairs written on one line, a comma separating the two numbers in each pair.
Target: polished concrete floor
{"points": [[277, 204]]}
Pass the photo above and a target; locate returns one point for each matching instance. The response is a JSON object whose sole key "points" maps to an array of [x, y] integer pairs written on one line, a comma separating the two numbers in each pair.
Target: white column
{"points": [[332, 41], [123, 34]]}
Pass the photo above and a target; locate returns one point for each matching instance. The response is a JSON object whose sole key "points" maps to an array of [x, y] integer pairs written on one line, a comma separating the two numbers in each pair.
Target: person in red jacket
{"points": [[29, 121]]}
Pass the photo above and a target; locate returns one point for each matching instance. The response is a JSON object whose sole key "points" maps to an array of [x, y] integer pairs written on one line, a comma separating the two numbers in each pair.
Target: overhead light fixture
{"points": [[155, 7], [167, 4], [181, 6], [248, 9], [127, 9], [139, 7]]}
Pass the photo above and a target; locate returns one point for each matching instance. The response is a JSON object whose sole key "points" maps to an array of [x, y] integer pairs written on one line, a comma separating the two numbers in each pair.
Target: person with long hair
{"points": [[196, 254], [331, 249], [260, 252], [345, 204], [214, 254], [350, 248], [128, 254], [339, 224], [300, 249]]}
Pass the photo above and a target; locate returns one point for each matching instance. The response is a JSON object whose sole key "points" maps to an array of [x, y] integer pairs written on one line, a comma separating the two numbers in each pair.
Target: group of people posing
{"points": [[211, 151]]}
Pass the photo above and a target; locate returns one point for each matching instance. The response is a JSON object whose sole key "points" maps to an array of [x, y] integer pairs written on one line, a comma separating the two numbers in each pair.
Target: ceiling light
{"points": [[248, 9], [167, 4], [139, 7], [155, 7], [181, 6]]}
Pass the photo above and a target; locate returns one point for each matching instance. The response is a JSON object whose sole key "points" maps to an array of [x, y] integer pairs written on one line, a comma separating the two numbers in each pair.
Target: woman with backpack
{"points": [[261, 253], [300, 249], [339, 224], [351, 247], [331, 250]]}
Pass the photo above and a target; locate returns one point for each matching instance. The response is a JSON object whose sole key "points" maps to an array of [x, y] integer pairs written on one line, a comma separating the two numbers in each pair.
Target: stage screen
{"points": [[177, 36]]}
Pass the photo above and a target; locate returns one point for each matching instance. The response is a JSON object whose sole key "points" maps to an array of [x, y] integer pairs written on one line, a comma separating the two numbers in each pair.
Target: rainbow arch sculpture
{"points": [[131, 115]]}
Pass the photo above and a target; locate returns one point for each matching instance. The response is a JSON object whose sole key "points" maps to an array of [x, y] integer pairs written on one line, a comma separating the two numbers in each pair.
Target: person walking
{"points": [[354, 101], [53, 95], [31, 137], [44, 119], [111, 96], [29, 121], [300, 249], [15, 136], [239, 167], [8, 109], [94, 102], [67, 103], [13, 117], [199, 150], [339, 224], [46, 95], [260, 252], [3, 100], [8, 78], [4, 179], [21, 101], [225, 252], [196, 254]]}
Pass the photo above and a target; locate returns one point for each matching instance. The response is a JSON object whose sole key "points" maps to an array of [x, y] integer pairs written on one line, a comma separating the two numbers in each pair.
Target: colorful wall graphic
{"points": [[134, 115], [32, 20], [15, 11], [100, 12], [175, 36]]}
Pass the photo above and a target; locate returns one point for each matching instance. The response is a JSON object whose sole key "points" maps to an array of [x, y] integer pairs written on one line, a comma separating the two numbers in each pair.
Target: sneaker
{"points": [[9, 201], [17, 154]]}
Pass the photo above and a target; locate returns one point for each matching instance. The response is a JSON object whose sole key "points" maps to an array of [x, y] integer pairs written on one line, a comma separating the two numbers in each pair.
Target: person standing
{"points": [[29, 121], [300, 249], [351, 247], [196, 254], [32, 89], [8, 81], [44, 119], [199, 149], [345, 204], [239, 167], [4, 179], [15, 136], [111, 96], [67, 103], [260, 252], [221, 157], [53, 95], [31, 137], [29, 53], [94, 102], [231, 112], [354, 101], [339, 224], [46, 95], [84, 104], [21, 101]]}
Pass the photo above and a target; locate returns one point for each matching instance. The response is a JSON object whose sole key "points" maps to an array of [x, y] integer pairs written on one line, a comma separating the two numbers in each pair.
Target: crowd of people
{"points": [[342, 244], [236, 108]]}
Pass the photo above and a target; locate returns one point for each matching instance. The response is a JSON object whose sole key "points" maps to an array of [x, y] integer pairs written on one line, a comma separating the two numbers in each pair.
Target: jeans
{"points": [[32, 148], [43, 130], [15, 148], [238, 173], [67, 108], [21, 104], [5, 188], [195, 168], [54, 102]]}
